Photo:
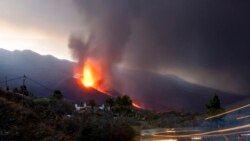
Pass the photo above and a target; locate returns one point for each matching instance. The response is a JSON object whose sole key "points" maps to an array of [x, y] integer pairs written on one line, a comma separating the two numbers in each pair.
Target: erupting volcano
{"points": [[91, 76]]}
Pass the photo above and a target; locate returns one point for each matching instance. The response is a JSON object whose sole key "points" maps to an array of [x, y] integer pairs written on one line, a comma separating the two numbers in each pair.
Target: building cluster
{"points": [[85, 107]]}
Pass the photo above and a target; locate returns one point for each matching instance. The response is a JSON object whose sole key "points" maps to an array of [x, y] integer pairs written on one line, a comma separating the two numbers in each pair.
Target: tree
{"points": [[57, 94], [15, 90], [7, 88], [124, 101], [24, 90], [92, 103], [214, 105], [123, 104], [110, 102], [81, 104]]}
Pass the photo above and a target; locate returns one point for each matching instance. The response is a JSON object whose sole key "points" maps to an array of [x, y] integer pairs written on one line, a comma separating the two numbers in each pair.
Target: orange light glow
{"points": [[88, 79], [91, 74], [137, 105]]}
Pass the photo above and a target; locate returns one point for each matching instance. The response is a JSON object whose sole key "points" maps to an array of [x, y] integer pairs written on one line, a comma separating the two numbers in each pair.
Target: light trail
{"points": [[196, 138], [221, 132], [207, 133], [242, 133], [243, 117], [227, 112], [168, 140], [246, 134], [165, 130]]}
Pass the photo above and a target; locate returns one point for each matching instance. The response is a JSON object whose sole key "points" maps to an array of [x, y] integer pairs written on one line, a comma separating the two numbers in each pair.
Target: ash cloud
{"points": [[78, 47], [191, 36], [108, 24]]}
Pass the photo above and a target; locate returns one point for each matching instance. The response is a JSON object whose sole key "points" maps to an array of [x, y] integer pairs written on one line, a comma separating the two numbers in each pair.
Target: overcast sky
{"points": [[39, 25], [202, 41]]}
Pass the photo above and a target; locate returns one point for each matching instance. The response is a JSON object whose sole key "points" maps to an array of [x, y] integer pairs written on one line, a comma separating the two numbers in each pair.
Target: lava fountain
{"points": [[88, 80], [90, 76]]}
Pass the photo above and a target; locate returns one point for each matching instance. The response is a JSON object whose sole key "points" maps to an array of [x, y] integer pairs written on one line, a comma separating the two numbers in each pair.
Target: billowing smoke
{"points": [[107, 30], [205, 42]]}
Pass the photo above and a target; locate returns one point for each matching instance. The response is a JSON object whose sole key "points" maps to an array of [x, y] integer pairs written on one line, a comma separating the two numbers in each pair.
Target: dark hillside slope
{"points": [[21, 119]]}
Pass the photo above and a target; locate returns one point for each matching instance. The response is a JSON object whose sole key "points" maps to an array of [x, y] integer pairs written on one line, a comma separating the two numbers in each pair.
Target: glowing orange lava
{"points": [[91, 74], [88, 79]]}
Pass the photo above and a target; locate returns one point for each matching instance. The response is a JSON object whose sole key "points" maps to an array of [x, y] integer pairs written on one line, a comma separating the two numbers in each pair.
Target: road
{"points": [[237, 133]]}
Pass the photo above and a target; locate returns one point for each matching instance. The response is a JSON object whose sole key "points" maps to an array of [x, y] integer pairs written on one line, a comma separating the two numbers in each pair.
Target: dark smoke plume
{"points": [[207, 40], [109, 24]]}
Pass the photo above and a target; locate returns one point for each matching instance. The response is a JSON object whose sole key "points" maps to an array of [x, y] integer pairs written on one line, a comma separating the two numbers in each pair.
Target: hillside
{"points": [[153, 91], [24, 118], [48, 71]]}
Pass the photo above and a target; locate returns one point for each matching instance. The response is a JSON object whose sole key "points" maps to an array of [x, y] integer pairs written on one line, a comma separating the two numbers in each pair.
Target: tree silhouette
{"points": [[123, 104], [7, 88], [124, 101], [57, 94], [214, 105], [15, 90], [110, 102], [24, 90], [92, 103]]}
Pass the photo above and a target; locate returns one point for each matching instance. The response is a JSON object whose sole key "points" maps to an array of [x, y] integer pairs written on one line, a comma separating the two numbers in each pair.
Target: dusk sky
{"points": [[38, 25], [206, 42]]}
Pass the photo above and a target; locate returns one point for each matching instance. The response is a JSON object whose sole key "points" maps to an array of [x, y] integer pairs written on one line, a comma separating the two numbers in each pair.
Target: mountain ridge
{"points": [[154, 91]]}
